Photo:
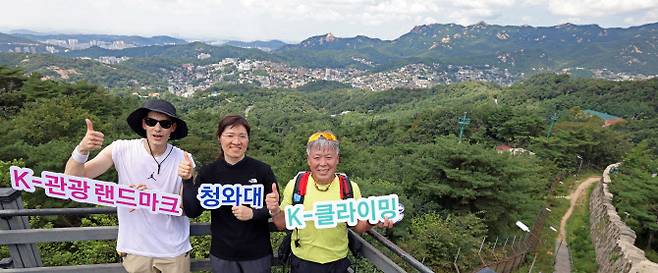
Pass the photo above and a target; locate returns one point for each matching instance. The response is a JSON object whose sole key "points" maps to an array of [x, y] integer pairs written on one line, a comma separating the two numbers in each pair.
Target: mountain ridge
{"points": [[83, 38], [518, 48], [430, 53]]}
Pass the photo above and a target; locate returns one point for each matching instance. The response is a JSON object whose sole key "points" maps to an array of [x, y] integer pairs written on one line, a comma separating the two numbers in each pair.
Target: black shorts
{"points": [[303, 266], [260, 265]]}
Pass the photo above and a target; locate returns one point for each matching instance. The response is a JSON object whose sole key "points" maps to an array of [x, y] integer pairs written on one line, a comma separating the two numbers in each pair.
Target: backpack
{"points": [[299, 192], [301, 182]]}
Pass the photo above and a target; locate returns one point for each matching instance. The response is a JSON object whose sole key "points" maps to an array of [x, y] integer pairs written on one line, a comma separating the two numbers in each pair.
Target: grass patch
{"points": [[558, 205], [652, 255], [579, 239], [4, 252]]}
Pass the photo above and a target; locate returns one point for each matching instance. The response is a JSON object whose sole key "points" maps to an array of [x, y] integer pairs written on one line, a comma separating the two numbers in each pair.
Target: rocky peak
{"points": [[480, 24], [419, 29], [329, 37]]}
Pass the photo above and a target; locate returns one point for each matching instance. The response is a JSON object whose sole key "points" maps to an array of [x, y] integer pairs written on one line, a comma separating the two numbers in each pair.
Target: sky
{"points": [[296, 20]]}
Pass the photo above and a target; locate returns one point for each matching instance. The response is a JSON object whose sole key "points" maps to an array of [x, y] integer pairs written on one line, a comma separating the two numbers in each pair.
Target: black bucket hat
{"points": [[160, 106]]}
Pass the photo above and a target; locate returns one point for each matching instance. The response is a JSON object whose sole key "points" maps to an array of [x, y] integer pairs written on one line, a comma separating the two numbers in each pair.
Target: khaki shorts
{"points": [[142, 264]]}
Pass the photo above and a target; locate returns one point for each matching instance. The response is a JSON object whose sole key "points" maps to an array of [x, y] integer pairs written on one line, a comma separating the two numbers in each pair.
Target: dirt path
{"points": [[562, 256], [246, 111], [573, 198]]}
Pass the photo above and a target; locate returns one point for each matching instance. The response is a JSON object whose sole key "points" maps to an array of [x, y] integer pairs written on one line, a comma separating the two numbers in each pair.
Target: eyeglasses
{"points": [[326, 135], [165, 124]]}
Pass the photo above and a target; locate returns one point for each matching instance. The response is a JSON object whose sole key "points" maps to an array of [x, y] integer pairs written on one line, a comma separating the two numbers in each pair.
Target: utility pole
{"points": [[551, 122], [463, 122]]}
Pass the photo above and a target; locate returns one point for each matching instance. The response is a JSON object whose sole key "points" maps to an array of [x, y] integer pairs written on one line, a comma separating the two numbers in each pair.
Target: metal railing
{"points": [[21, 240], [531, 244]]}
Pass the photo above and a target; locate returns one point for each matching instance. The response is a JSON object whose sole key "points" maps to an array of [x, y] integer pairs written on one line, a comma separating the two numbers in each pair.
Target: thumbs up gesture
{"points": [[185, 167], [272, 201], [93, 140]]}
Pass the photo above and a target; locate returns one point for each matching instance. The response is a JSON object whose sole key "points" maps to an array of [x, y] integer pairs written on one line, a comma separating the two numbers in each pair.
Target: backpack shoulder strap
{"points": [[301, 181], [346, 190]]}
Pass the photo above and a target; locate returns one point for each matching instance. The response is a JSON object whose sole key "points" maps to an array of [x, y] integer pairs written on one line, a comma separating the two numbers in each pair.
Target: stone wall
{"points": [[613, 240]]}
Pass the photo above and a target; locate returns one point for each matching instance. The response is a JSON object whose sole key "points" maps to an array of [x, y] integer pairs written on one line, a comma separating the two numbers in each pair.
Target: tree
{"points": [[634, 189], [11, 99], [597, 146], [46, 120], [435, 240]]}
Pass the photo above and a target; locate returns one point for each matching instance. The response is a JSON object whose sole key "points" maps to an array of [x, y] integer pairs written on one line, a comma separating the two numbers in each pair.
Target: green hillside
{"points": [[398, 141], [73, 70]]}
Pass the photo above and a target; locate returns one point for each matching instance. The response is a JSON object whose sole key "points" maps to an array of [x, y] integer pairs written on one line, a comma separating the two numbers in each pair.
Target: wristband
{"points": [[79, 157]]}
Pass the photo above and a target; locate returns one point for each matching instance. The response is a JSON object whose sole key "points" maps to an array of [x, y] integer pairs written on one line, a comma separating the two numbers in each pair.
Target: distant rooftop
{"points": [[608, 119], [603, 116]]}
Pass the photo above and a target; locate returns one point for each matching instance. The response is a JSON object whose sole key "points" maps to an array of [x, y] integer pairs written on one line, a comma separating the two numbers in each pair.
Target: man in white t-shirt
{"points": [[147, 242]]}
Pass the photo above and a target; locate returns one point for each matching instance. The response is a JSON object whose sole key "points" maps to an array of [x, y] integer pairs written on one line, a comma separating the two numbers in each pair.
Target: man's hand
{"points": [[386, 224], [363, 225], [185, 168], [93, 140], [139, 187], [243, 213], [272, 201]]}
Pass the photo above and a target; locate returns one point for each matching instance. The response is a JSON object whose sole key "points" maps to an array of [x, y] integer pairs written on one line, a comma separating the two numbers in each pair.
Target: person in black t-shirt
{"points": [[240, 234]]}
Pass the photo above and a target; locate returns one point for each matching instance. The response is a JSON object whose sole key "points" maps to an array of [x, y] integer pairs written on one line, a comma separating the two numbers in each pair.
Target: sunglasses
{"points": [[165, 124], [325, 135]]}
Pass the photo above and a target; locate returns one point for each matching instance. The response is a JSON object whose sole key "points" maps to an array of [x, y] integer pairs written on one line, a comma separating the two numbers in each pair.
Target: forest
{"points": [[455, 191]]}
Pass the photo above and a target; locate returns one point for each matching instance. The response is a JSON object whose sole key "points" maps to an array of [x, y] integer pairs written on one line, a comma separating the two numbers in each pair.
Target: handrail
{"points": [[401, 253], [30, 236], [375, 256], [56, 211], [196, 265]]}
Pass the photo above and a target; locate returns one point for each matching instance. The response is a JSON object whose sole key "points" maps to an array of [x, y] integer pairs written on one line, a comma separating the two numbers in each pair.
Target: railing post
{"points": [[22, 255]]}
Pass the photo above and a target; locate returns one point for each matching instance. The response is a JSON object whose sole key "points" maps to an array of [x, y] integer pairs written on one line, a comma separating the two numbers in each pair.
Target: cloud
{"points": [[372, 12], [484, 4], [594, 8], [297, 19], [650, 16], [533, 2]]}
